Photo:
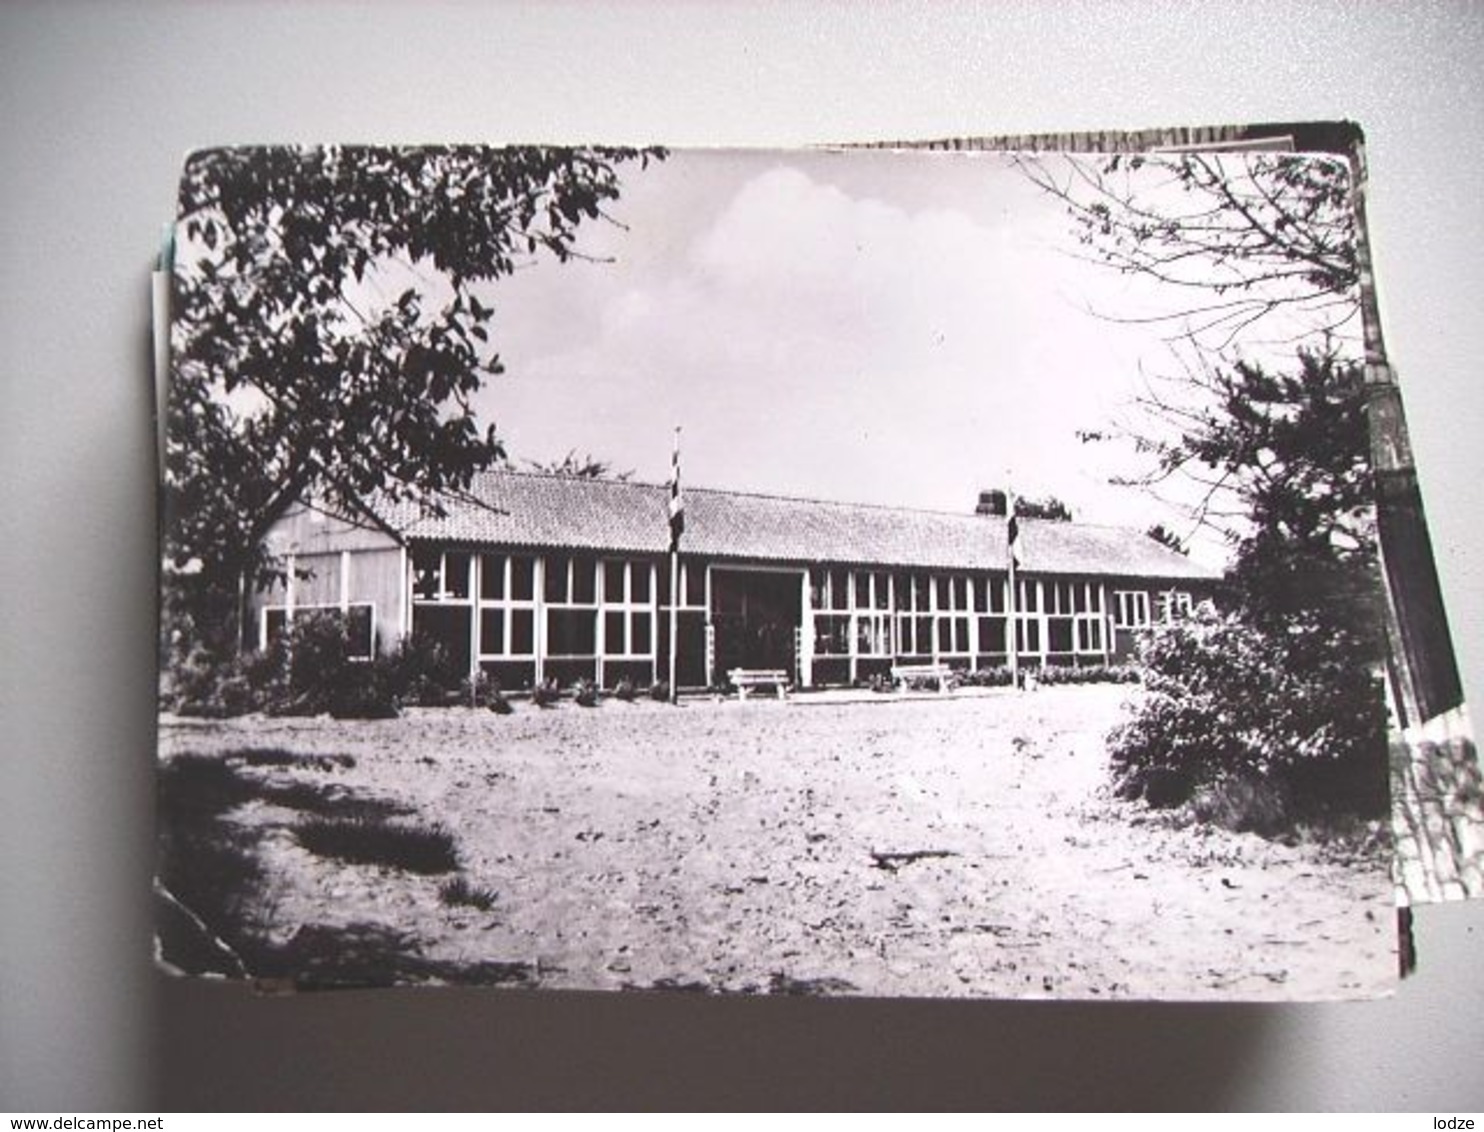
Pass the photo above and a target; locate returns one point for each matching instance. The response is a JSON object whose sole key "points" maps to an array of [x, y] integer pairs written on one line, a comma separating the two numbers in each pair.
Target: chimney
{"points": [[991, 503]]}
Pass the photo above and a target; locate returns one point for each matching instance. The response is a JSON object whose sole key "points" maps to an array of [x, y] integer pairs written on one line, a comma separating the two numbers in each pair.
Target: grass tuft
{"points": [[415, 849], [278, 757], [459, 892]]}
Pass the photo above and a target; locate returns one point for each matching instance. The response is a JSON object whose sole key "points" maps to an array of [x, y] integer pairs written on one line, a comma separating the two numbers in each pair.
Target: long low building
{"points": [[532, 577]]}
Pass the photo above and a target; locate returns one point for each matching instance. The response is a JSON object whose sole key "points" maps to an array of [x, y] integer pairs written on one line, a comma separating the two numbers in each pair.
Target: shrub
{"points": [[203, 685], [498, 704], [993, 677], [365, 691], [660, 690], [546, 693], [998, 676], [421, 671], [312, 669], [624, 690], [302, 670], [932, 683], [586, 693], [1087, 674], [1245, 805], [480, 690], [1261, 729]]}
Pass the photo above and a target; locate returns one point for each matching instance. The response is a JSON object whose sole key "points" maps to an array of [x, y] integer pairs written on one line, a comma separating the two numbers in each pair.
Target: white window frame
{"points": [[443, 595], [1061, 597], [506, 603], [871, 620], [1132, 609], [570, 604], [625, 603], [906, 608], [831, 604], [957, 613]]}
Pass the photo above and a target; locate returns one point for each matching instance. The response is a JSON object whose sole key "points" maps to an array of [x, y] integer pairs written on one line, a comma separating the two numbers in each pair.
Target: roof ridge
{"points": [[895, 507], [537, 474], [703, 489]]}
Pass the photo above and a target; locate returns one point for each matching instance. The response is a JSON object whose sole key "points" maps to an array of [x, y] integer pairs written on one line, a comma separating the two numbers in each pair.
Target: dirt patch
{"points": [[917, 845]]}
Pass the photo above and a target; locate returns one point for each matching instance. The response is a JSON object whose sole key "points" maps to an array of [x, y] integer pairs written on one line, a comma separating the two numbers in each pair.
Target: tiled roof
{"points": [[526, 509], [563, 512]]}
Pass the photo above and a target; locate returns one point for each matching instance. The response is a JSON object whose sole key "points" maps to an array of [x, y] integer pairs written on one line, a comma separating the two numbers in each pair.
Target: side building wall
{"points": [[524, 615], [332, 564]]}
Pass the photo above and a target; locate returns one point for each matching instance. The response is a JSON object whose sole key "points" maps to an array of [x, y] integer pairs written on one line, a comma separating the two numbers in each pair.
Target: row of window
{"points": [[836, 589], [507, 631], [609, 607], [873, 613], [840, 589], [879, 635], [588, 607], [454, 575], [1131, 608], [450, 576]]}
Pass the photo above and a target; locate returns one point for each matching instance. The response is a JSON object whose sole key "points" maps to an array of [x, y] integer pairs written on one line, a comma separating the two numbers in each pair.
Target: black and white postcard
{"points": [[841, 572]]}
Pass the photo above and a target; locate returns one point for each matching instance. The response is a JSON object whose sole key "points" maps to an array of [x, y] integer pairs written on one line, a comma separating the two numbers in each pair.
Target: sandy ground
{"points": [[735, 847]]}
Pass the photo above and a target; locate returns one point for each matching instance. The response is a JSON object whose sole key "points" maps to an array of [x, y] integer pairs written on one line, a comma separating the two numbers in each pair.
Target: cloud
{"points": [[820, 341]]}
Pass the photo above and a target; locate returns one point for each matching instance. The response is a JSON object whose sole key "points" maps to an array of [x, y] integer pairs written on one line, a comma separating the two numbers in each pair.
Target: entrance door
{"points": [[755, 614]]}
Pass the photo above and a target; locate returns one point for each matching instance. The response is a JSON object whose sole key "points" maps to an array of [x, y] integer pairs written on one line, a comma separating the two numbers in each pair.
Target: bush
{"points": [[1087, 674], [546, 693], [1261, 730], [624, 690], [202, 685], [421, 671], [479, 691], [365, 691], [995, 677], [660, 691], [998, 676], [586, 693], [312, 669], [309, 670]]}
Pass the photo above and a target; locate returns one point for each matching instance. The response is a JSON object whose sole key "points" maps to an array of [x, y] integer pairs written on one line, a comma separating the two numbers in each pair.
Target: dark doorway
{"points": [[756, 616]]}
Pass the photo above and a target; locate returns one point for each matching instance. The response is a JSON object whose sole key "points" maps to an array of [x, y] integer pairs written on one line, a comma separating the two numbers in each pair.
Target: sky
{"points": [[895, 328], [902, 328]]}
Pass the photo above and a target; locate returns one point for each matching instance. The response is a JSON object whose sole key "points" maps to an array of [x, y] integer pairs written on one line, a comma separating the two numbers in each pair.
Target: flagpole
{"points": [[674, 617], [676, 525], [1013, 633]]}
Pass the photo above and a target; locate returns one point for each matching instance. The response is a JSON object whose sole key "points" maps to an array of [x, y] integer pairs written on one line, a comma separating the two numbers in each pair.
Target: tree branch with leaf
{"points": [[1233, 239], [332, 320], [1270, 448]]}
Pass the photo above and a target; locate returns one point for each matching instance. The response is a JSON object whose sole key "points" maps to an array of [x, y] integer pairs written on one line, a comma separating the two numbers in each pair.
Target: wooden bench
{"points": [[746, 679], [902, 675]]}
